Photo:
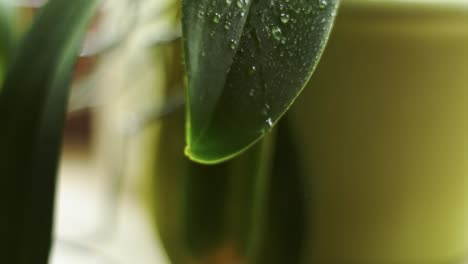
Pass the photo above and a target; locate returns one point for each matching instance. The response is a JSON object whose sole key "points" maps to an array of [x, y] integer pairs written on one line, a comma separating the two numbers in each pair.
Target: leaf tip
{"points": [[201, 157]]}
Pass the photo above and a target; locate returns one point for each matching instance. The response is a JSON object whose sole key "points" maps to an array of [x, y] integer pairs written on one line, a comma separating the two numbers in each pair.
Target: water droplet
{"points": [[269, 122], [276, 31], [201, 14], [283, 40], [266, 110], [233, 44], [242, 14], [323, 3], [251, 92], [229, 2], [227, 26], [252, 70], [216, 18], [240, 3], [284, 18]]}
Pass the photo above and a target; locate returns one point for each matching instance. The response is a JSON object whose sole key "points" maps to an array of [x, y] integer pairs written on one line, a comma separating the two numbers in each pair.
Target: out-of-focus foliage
{"points": [[32, 111], [6, 36]]}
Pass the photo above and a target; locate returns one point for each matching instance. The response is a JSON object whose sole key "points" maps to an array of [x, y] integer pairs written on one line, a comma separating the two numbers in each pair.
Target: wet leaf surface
{"points": [[247, 61]]}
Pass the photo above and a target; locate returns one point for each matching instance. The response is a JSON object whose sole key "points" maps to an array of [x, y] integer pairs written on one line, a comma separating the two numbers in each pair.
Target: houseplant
{"points": [[376, 148], [34, 95], [358, 158], [194, 202]]}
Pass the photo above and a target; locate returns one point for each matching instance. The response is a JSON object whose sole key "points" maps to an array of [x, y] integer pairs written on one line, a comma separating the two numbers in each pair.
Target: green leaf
{"points": [[6, 36], [247, 61], [206, 211], [32, 111]]}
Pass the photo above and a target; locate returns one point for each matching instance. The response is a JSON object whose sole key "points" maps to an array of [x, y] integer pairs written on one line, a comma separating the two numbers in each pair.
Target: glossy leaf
{"points": [[32, 111], [247, 61]]}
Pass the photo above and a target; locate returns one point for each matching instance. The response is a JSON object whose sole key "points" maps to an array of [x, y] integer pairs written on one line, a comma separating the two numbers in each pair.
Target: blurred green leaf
{"points": [[32, 111], [206, 211], [247, 61], [6, 36]]}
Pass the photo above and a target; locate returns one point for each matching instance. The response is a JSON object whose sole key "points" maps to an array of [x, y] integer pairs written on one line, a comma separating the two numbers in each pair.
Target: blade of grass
{"points": [[32, 111]]}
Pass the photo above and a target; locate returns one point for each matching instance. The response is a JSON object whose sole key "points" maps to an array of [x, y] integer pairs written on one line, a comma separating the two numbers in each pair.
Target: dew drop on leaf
{"points": [[216, 18], [201, 14], [266, 110], [229, 2], [323, 3], [276, 31], [233, 44], [252, 70], [284, 18]]}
